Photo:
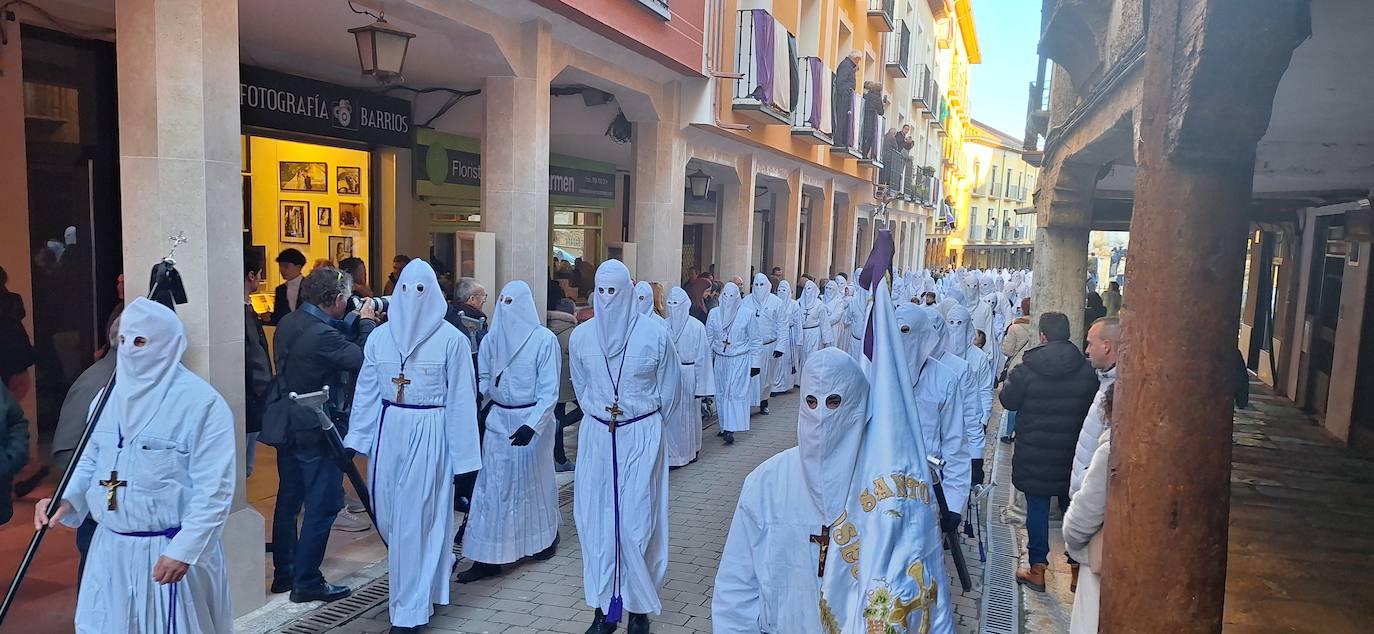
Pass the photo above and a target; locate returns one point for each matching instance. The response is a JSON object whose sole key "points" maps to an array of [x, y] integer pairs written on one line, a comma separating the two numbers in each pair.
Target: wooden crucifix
{"points": [[822, 540], [401, 382], [615, 411], [112, 485]]}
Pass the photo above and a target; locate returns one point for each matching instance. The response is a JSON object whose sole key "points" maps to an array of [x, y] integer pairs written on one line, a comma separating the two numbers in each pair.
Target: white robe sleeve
{"points": [[736, 602], [825, 323], [705, 384], [367, 403], [669, 370], [483, 370], [460, 409], [81, 478], [546, 386], [958, 472], [973, 408], [212, 470], [782, 328]]}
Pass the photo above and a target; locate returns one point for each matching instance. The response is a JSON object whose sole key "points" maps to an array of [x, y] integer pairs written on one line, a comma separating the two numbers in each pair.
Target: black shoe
{"points": [[720, 433], [729, 438], [478, 571], [27, 485], [638, 624], [396, 629], [677, 467], [281, 585], [326, 592], [599, 624], [774, 394], [1006, 440], [548, 553], [763, 408]]}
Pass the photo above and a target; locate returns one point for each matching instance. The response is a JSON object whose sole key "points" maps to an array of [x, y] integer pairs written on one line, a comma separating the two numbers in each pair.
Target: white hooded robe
{"points": [[787, 375], [683, 433], [169, 437], [729, 330], [937, 394], [622, 360], [769, 579], [515, 502], [416, 442]]}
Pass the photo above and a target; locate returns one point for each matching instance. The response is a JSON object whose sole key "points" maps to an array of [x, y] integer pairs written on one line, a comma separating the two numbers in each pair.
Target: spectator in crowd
{"points": [[1111, 299], [1083, 524], [561, 321], [1021, 336], [1051, 392], [257, 364], [313, 352], [1093, 309], [397, 263], [1104, 337], [555, 294], [356, 269], [468, 297], [290, 263], [16, 351], [697, 288]]}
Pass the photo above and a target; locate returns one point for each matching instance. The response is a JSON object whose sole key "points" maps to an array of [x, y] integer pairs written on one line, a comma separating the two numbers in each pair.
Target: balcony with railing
{"points": [[811, 120], [845, 127], [899, 51], [763, 60], [1006, 230], [880, 14], [872, 145], [922, 87]]}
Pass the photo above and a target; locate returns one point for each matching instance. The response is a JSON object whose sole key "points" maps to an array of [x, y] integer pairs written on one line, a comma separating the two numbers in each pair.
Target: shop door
{"points": [[1362, 418], [1266, 288], [1323, 309], [74, 234]]}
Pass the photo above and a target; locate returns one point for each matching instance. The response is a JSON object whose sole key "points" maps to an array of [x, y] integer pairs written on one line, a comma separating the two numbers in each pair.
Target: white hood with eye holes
{"points": [[828, 440], [417, 307]]}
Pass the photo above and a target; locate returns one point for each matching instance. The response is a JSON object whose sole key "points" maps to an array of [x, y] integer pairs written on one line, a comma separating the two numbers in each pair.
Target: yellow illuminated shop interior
{"points": [[313, 198]]}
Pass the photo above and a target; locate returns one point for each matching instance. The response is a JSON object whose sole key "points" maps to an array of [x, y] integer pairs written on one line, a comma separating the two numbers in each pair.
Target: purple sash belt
{"points": [[504, 406], [622, 423], [171, 587]]}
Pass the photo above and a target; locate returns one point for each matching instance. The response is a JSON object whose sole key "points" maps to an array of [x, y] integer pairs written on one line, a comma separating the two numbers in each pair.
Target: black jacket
{"points": [[1050, 392], [14, 448], [257, 370], [281, 307], [310, 354]]}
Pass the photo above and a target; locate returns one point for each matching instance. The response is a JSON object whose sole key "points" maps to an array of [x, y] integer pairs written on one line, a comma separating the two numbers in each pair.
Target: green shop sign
{"points": [[449, 167]]}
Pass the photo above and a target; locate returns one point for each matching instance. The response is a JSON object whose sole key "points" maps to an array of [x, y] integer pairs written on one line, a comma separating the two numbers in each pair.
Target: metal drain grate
{"points": [[1000, 609], [371, 595]]}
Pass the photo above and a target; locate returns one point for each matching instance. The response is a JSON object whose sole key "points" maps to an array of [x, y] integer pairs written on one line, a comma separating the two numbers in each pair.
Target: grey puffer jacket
{"points": [[562, 324], [1090, 436]]}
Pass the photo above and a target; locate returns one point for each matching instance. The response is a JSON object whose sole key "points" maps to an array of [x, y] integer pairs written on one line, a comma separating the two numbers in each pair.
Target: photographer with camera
{"points": [[318, 344]]}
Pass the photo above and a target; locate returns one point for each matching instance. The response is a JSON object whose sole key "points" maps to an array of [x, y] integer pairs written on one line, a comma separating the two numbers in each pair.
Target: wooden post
{"points": [[1211, 72]]}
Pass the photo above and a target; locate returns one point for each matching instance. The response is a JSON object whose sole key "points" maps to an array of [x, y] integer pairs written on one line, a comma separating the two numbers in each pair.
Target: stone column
{"points": [[822, 233], [515, 167], [179, 173], [1168, 503], [1064, 213], [736, 221], [787, 228], [845, 234], [14, 240], [657, 190]]}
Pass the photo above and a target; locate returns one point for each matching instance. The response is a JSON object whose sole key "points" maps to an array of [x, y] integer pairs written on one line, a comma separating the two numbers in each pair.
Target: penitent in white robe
{"points": [[515, 502], [816, 333], [970, 394], [179, 468], [732, 361], [785, 375], [942, 427], [647, 375], [767, 580], [415, 448], [683, 432], [769, 327]]}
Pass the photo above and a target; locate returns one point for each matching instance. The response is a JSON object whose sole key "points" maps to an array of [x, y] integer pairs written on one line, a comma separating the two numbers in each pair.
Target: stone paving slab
{"points": [[547, 596]]}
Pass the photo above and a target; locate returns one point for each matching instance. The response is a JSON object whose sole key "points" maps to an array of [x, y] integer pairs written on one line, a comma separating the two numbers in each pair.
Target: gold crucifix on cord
{"points": [[822, 540], [111, 486], [615, 411], [401, 382]]}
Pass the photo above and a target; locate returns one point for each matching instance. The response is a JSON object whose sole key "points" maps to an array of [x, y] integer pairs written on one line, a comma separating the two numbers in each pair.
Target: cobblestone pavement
{"points": [[547, 596]]}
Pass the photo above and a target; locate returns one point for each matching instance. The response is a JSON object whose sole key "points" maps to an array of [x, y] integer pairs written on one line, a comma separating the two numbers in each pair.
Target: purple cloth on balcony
{"points": [[763, 56], [817, 71]]}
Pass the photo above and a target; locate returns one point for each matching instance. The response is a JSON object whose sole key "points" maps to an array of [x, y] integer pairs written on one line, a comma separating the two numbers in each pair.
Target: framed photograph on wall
{"points": [[340, 247], [324, 216], [304, 177], [351, 216], [295, 221], [348, 180]]}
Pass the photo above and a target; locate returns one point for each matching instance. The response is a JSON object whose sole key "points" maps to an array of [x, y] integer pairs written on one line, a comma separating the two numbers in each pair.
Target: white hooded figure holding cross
{"points": [[625, 370]]}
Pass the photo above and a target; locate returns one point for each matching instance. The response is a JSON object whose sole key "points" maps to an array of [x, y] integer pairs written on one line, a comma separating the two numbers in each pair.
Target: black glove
{"points": [[977, 471], [777, 354], [754, 371], [950, 522], [522, 436], [349, 454]]}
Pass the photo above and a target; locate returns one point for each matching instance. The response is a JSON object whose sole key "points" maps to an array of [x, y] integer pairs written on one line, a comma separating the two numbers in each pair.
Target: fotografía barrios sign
{"points": [[269, 99]]}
